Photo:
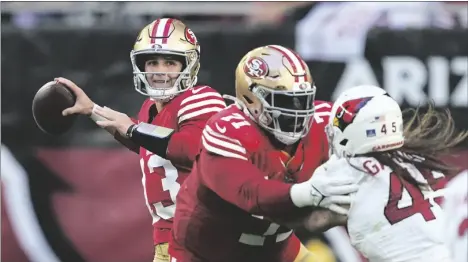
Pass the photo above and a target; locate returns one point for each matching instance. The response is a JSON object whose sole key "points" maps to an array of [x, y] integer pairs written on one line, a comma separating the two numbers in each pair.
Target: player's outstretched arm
{"points": [[85, 106], [312, 219], [181, 146], [326, 190], [241, 183], [244, 185]]}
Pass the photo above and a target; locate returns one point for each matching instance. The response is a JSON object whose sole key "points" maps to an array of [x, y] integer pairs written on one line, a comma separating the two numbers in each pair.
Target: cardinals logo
{"points": [[256, 67], [347, 112], [190, 36]]}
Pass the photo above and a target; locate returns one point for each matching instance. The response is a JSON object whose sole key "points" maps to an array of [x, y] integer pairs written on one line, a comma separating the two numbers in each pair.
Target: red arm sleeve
{"points": [[242, 184]]}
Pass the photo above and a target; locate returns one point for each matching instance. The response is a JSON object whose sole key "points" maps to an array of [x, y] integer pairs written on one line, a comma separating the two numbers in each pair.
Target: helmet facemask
{"points": [[330, 132], [171, 86], [285, 114]]}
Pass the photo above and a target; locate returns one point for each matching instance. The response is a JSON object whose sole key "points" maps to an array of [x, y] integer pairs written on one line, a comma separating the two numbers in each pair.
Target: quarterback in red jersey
{"points": [[165, 60], [254, 167]]}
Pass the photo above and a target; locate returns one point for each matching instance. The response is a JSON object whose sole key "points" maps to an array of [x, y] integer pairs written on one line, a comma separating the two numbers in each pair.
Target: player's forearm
{"points": [[151, 137], [311, 219], [125, 141], [242, 184], [268, 197], [181, 146]]}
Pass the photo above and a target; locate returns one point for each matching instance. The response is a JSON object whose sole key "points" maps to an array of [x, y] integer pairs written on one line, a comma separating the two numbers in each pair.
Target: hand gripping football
{"points": [[48, 103]]}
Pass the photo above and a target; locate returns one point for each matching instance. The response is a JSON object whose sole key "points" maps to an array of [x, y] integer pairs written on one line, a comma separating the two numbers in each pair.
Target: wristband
{"points": [[130, 130], [95, 117]]}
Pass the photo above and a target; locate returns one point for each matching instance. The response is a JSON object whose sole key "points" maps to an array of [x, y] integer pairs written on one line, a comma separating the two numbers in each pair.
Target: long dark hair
{"points": [[428, 136]]}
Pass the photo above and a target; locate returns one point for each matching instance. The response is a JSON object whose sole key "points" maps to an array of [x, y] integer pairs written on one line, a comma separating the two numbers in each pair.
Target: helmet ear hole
{"points": [[140, 61], [344, 142]]}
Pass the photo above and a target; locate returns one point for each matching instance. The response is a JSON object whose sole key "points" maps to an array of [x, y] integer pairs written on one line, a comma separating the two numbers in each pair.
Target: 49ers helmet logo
{"points": [[190, 36], [347, 112], [256, 67]]}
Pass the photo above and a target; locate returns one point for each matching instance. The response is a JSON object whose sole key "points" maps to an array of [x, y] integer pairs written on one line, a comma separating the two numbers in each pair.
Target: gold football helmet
{"points": [[275, 86], [170, 37]]}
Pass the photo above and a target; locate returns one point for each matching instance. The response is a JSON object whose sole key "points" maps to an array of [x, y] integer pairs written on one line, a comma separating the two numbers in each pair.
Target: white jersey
{"points": [[455, 207], [391, 221]]}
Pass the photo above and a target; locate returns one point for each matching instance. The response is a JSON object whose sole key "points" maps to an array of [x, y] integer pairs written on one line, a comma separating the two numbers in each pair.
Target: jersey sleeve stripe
{"points": [[199, 112], [221, 143], [319, 116], [319, 106], [202, 103], [218, 135], [200, 96], [220, 152]]}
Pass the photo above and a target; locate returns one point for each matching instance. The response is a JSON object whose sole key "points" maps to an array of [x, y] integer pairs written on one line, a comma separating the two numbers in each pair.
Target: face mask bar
{"points": [[286, 113], [166, 92], [175, 81]]}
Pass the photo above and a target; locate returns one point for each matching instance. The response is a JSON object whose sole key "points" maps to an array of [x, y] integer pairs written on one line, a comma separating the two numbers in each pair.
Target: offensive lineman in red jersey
{"points": [[226, 208], [165, 60]]}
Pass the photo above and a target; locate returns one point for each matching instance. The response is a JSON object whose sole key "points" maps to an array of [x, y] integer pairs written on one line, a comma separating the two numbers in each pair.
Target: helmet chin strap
{"points": [[164, 98], [170, 97], [193, 83]]}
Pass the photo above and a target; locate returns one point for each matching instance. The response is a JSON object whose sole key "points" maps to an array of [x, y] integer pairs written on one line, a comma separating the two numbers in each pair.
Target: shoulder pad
{"points": [[231, 133], [199, 102]]}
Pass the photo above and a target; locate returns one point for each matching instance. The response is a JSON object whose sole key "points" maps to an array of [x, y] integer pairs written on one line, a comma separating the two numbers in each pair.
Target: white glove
{"points": [[325, 189]]}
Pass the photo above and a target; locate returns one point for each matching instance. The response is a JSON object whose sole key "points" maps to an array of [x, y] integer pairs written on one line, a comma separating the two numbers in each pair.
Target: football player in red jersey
{"points": [[165, 60], [255, 165]]}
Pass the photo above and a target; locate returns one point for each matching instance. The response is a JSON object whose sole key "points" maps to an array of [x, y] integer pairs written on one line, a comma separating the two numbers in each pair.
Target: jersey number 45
{"points": [[419, 203]]}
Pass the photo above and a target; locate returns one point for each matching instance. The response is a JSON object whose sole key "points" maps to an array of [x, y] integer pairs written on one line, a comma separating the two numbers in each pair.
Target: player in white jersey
{"points": [[456, 209], [394, 216]]}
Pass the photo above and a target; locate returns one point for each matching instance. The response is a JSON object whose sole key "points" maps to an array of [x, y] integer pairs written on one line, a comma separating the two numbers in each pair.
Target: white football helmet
{"points": [[364, 119]]}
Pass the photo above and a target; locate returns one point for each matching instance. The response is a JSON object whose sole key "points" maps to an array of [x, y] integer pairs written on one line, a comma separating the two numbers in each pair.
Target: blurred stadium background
{"points": [[78, 197]]}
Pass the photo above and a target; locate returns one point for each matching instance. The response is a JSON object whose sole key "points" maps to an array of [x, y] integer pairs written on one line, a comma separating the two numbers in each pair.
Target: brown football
{"points": [[48, 103]]}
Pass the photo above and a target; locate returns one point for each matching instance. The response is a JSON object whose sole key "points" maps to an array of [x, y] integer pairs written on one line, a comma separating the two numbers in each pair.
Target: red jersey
{"points": [[186, 114], [236, 185]]}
